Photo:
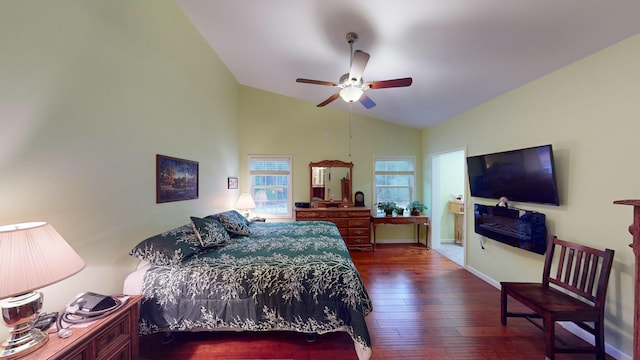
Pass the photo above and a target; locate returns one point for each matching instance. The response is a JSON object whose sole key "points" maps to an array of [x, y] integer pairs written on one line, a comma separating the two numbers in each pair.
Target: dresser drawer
{"points": [[78, 354], [358, 232], [121, 353], [337, 214], [359, 214], [113, 337], [309, 215], [358, 240], [362, 223], [340, 223]]}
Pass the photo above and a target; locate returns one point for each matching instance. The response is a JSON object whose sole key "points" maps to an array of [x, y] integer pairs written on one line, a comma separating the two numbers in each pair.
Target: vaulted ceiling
{"points": [[460, 53]]}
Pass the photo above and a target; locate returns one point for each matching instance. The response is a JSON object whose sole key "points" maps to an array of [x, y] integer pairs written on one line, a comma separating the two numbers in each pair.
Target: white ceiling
{"points": [[460, 53]]}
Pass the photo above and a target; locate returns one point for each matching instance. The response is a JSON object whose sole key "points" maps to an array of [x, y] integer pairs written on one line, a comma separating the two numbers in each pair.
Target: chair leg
{"points": [[503, 307], [549, 338], [599, 339]]}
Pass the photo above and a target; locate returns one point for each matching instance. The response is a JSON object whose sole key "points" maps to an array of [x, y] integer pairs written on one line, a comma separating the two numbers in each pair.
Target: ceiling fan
{"points": [[352, 86]]}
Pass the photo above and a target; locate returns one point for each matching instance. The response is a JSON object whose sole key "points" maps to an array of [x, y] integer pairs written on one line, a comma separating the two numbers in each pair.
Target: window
{"points": [[394, 179], [270, 182]]}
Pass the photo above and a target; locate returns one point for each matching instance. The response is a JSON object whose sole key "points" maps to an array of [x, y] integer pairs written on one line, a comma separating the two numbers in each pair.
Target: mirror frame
{"points": [[331, 164]]}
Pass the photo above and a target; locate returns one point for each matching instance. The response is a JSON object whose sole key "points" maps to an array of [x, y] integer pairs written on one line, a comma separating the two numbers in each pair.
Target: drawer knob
{"points": [[359, 232]]}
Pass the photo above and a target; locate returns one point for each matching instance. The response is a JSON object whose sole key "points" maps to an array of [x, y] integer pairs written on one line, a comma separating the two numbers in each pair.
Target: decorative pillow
{"points": [[170, 247], [238, 217], [210, 232], [235, 224]]}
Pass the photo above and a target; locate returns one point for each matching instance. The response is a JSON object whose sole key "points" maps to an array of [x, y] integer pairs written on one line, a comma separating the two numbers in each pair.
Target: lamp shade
{"points": [[33, 255], [351, 94], [245, 202]]}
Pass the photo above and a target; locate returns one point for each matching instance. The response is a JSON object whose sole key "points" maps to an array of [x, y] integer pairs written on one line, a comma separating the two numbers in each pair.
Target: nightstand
{"points": [[113, 337]]}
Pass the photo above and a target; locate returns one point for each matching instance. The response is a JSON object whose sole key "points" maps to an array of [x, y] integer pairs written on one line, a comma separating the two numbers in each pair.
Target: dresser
{"points": [[112, 337], [354, 223]]}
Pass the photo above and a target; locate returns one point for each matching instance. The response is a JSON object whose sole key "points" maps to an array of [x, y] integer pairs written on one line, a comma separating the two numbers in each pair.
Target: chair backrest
{"points": [[580, 269]]}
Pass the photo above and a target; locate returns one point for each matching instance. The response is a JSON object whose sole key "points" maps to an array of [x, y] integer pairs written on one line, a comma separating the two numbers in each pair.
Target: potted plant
{"points": [[387, 207], [399, 210], [415, 207]]}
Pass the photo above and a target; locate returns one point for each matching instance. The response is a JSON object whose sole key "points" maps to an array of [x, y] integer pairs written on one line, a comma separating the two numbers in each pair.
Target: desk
{"points": [[402, 220]]}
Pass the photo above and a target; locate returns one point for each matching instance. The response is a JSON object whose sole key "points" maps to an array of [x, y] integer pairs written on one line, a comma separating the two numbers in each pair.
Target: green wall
{"points": [[90, 92], [589, 112], [280, 125]]}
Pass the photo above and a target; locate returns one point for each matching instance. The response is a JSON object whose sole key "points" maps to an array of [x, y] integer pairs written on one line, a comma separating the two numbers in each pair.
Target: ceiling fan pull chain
{"points": [[350, 117]]}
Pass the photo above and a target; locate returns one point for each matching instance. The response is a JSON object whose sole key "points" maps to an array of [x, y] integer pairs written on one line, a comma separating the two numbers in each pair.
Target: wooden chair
{"points": [[575, 292]]}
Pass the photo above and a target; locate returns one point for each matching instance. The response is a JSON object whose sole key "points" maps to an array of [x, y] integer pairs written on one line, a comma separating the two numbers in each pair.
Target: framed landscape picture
{"points": [[176, 179]]}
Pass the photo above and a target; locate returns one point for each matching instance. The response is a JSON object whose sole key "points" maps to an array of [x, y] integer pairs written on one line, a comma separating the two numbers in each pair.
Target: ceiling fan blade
{"points": [[366, 101], [329, 100], [358, 63], [316, 82], [389, 83]]}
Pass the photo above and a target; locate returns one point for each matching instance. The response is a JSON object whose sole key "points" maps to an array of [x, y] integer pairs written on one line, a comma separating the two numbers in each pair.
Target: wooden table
{"points": [[402, 220], [457, 209]]}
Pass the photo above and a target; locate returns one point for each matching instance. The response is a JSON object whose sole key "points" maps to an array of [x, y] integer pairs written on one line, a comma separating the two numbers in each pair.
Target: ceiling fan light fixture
{"points": [[351, 84], [351, 94]]}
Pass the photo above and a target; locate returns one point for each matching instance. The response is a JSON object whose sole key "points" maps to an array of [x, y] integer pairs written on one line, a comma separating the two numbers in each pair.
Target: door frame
{"points": [[437, 211]]}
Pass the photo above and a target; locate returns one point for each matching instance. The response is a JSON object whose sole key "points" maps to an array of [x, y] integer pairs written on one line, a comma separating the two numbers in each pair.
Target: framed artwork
{"points": [[232, 183], [176, 179]]}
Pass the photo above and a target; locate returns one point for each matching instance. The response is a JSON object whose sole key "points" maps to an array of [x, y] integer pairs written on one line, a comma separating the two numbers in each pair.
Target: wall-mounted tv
{"points": [[519, 228], [523, 175]]}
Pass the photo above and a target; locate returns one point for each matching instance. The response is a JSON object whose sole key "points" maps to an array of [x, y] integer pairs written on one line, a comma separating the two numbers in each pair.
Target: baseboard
{"points": [[571, 327], [490, 281], [586, 336]]}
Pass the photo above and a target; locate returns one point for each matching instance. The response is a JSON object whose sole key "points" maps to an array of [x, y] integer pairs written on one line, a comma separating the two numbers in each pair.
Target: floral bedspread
{"points": [[294, 276]]}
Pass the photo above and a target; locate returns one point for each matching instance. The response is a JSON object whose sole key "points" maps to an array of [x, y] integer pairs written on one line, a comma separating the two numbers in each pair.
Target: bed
{"points": [[223, 272]]}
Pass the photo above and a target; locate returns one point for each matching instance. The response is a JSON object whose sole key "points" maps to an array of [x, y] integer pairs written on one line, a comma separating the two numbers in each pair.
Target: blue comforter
{"points": [[295, 276]]}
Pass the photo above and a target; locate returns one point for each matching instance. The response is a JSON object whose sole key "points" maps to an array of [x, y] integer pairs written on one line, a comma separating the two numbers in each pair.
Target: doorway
{"points": [[448, 183]]}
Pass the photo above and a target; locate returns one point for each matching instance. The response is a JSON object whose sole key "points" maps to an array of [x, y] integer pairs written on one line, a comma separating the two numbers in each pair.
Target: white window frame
{"points": [[288, 187], [412, 187]]}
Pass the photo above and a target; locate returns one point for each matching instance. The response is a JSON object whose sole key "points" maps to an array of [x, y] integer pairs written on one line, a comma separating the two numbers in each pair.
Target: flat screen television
{"points": [[519, 228], [523, 175]]}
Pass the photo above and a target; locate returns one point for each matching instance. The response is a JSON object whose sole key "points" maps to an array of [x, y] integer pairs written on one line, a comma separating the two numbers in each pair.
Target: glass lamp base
{"points": [[19, 313]]}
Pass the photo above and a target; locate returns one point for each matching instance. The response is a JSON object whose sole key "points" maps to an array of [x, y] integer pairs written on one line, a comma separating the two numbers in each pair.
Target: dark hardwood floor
{"points": [[424, 307]]}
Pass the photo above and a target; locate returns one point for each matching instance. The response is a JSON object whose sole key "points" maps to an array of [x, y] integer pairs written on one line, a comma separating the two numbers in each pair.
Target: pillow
{"points": [[235, 224], [170, 247], [238, 217], [210, 232]]}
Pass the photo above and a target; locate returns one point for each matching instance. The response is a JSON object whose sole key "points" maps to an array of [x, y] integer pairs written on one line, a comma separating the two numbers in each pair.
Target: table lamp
{"points": [[32, 255], [245, 203]]}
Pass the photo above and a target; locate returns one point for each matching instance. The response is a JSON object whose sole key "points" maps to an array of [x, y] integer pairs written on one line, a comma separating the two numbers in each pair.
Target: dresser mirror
{"points": [[331, 183]]}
